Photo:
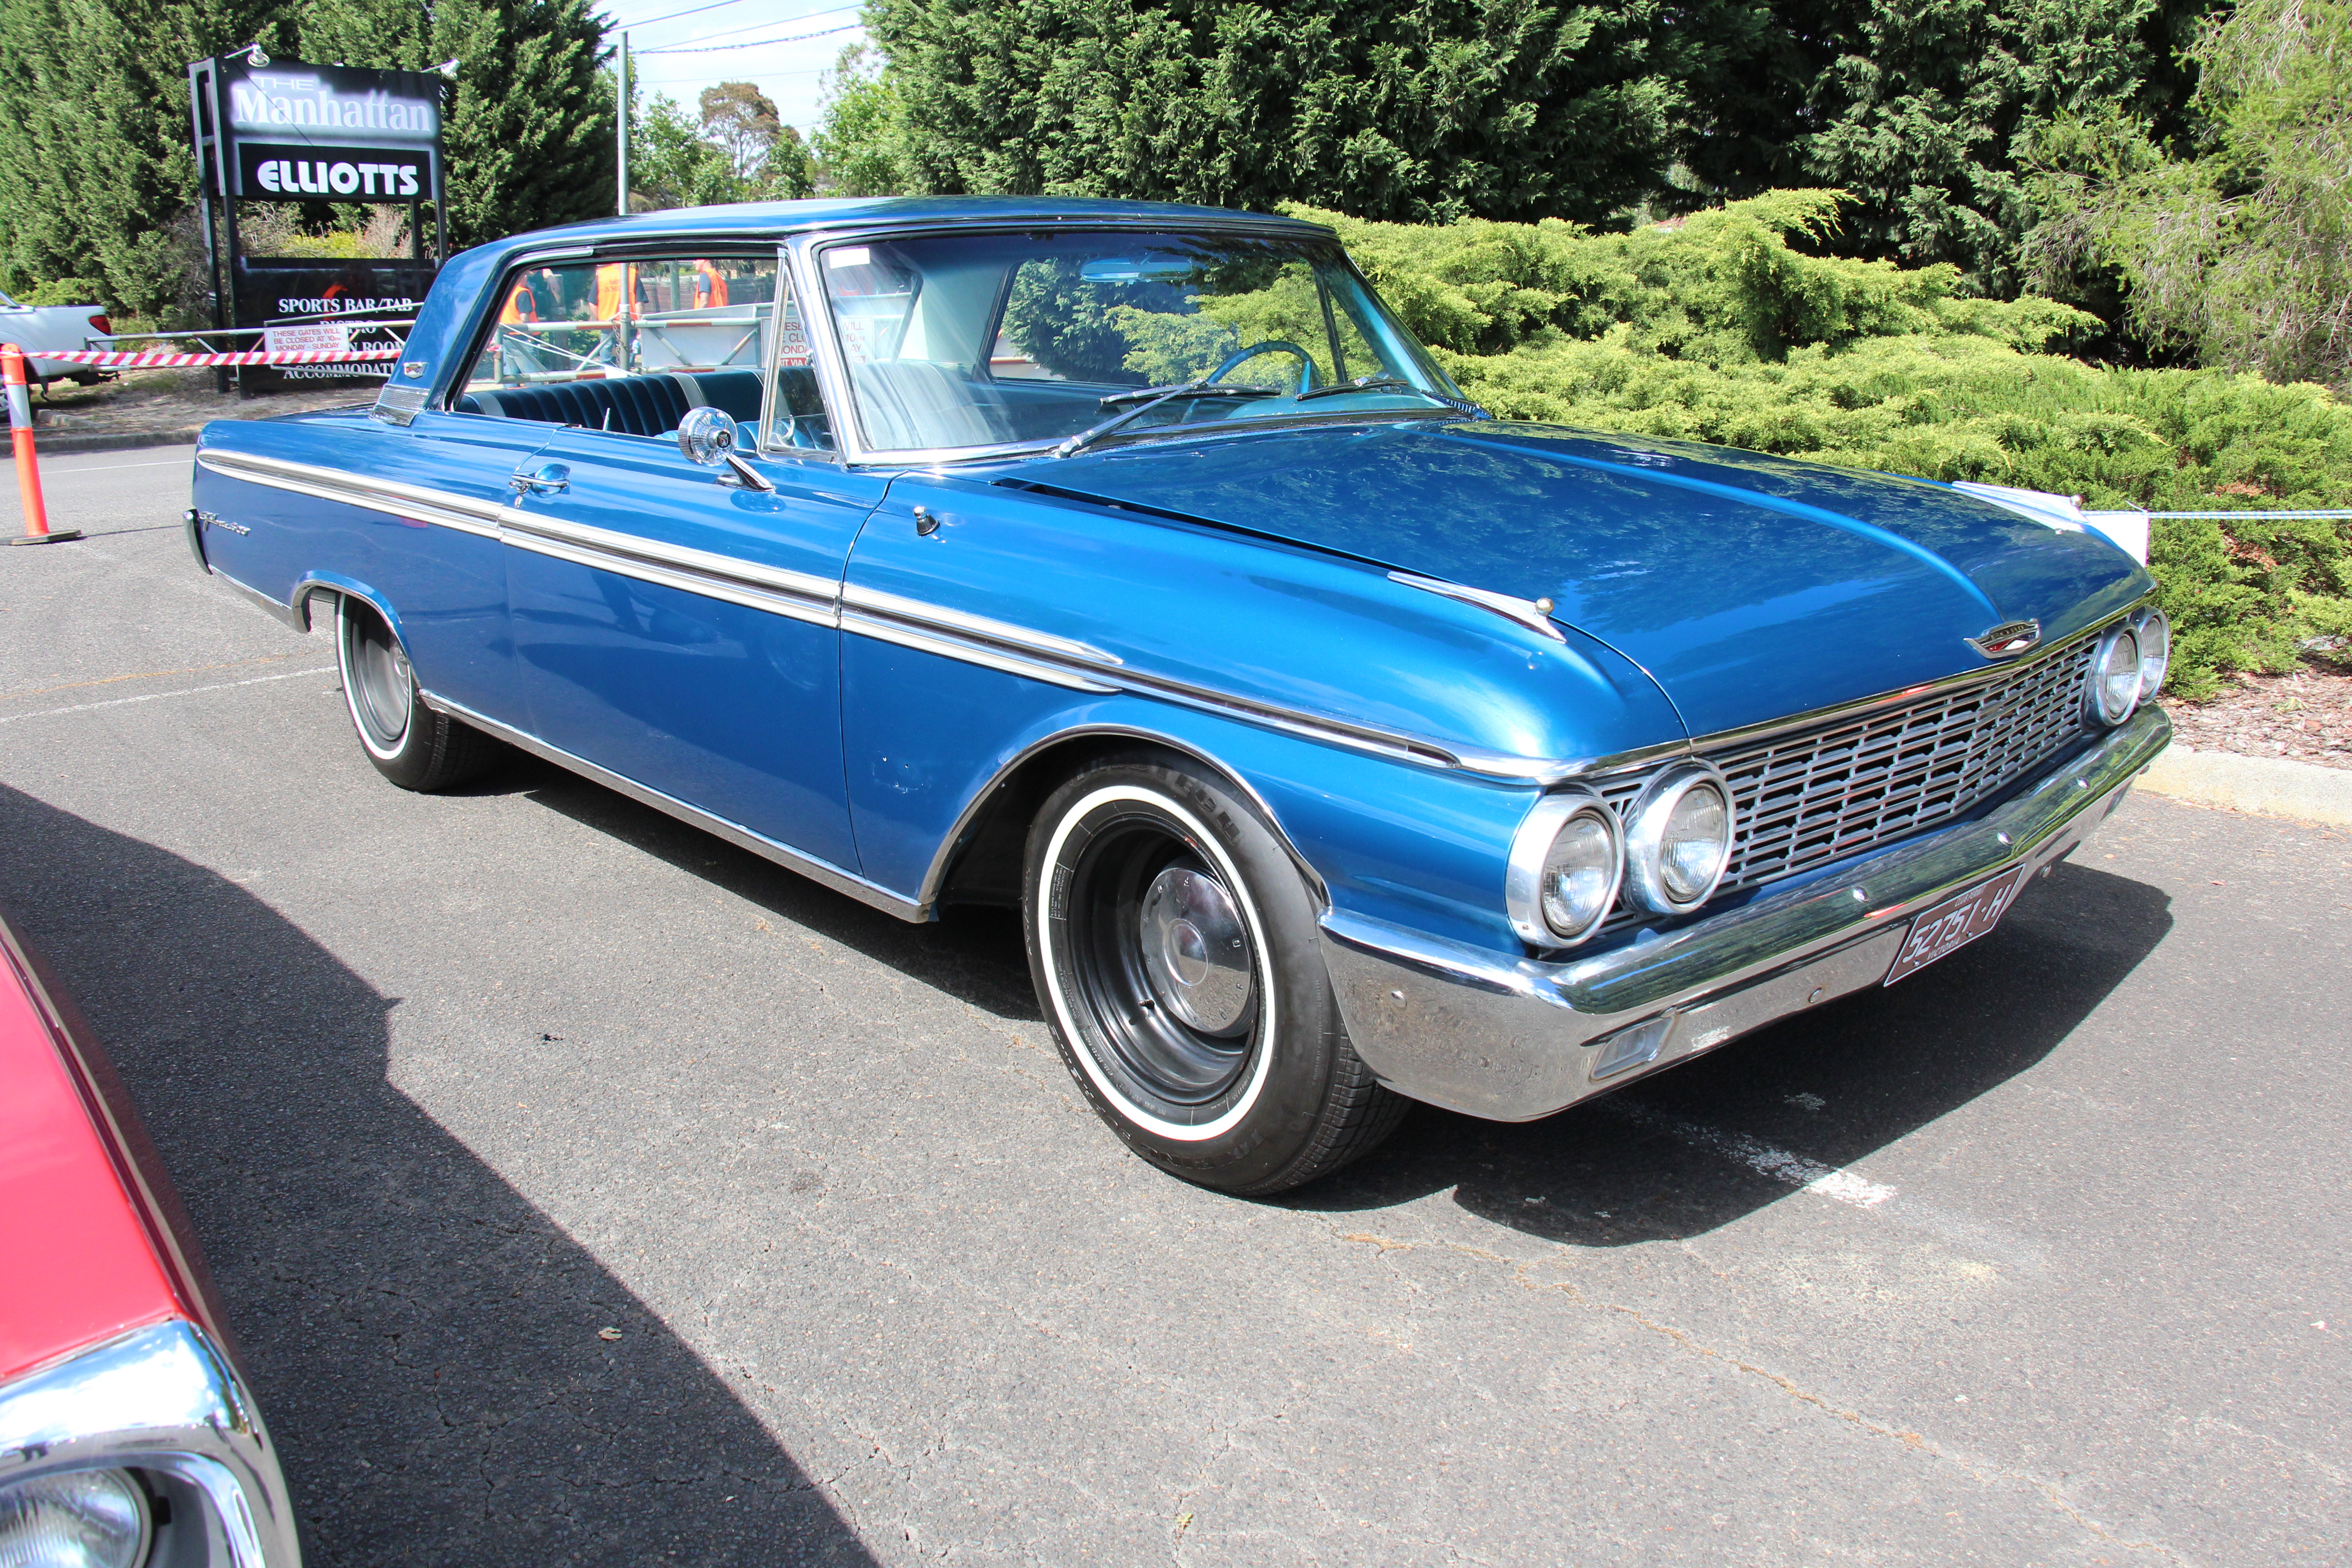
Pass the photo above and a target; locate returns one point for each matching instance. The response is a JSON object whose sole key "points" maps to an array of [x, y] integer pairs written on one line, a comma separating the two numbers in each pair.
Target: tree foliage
{"points": [[1411, 110], [1926, 110], [1725, 329], [859, 146], [2244, 253], [98, 178], [95, 165]]}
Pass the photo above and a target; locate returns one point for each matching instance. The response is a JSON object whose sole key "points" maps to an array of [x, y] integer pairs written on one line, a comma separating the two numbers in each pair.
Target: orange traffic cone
{"points": [[28, 467]]}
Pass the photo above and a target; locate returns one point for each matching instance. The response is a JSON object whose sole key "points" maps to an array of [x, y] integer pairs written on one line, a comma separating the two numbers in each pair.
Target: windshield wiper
{"points": [[1153, 398], [1392, 384], [1361, 384]]}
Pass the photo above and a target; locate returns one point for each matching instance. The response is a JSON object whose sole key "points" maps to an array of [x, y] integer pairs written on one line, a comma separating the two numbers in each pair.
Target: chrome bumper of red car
{"points": [[1514, 1038], [164, 1405]]}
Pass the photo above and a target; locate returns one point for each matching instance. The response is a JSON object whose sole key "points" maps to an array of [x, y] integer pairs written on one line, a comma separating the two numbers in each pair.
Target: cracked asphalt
{"points": [[583, 1190]]}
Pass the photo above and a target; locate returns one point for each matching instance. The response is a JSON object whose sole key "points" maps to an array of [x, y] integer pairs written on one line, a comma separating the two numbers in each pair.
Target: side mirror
{"points": [[707, 435]]}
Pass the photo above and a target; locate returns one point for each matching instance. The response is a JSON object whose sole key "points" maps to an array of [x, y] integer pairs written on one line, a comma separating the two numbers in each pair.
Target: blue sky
{"points": [[729, 40]]}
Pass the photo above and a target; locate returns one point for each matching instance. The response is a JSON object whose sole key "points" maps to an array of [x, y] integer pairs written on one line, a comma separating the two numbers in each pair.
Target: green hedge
{"points": [[1724, 329]]}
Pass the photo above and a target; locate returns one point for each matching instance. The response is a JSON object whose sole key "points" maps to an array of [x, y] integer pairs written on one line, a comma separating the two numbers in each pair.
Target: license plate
{"points": [[1954, 923]]}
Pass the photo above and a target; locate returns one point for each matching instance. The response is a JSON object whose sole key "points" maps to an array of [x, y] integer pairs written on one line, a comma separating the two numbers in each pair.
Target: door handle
{"points": [[543, 480]]}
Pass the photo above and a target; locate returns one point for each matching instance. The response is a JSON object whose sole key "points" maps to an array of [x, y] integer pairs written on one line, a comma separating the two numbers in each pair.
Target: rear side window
{"points": [[629, 346]]}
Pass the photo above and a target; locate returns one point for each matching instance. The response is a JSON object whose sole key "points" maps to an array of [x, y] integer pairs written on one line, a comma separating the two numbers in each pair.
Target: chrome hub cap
{"points": [[1196, 952]]}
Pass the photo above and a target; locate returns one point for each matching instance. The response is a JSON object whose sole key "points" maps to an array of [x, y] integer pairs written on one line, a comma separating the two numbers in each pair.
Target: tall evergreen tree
{"points": [[530, 133], [95, 166], [1927, 110], [1416, 109]]}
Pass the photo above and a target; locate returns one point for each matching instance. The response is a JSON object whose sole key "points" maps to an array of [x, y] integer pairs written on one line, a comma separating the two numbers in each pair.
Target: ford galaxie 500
{"points": [[1132, 566]]}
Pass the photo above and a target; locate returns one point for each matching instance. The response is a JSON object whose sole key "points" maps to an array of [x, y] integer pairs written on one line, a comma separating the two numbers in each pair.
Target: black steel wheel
{"points": [[413, 746], [1173, 945]]}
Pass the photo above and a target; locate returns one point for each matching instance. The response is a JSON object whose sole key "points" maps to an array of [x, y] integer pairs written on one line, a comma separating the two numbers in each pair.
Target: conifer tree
{"points": [[1413, 109], [95, 167]]}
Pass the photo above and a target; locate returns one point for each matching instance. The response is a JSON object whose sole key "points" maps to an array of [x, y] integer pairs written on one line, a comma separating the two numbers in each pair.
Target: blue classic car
{"points": [[1131, 566]]}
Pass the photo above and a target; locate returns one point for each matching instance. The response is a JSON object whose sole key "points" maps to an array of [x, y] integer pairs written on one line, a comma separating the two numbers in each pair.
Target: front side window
{"points": [[988, 340], [627, 347]]}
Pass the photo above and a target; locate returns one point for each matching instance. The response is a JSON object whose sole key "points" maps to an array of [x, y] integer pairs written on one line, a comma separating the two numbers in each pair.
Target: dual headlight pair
{"points": [[1573, 853], [2128, 667]]}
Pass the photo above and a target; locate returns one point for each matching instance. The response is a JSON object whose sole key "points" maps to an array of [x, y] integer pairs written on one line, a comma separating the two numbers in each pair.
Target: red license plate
{"points": [[1954, 923]]}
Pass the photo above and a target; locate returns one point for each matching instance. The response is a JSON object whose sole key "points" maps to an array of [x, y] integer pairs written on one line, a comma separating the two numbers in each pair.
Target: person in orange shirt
{"points": [[617, 284], [523, 305], [711, 285], [614, 283]]}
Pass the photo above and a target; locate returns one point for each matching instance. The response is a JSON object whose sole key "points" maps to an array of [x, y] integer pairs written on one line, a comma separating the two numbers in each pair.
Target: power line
{"points": [[754, 26], [754, 44], [689, 11]]}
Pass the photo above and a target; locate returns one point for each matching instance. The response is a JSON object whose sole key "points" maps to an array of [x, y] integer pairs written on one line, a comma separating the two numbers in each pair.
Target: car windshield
{"points": [[961, 340]]}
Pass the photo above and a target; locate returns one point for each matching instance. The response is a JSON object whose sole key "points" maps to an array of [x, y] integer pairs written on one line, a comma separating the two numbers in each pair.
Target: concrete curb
{"points": [[2270, 786], [63, 444]]}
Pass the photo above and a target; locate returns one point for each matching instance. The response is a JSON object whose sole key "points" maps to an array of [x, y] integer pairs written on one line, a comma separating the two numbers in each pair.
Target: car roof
{"points": [[761, 220]]}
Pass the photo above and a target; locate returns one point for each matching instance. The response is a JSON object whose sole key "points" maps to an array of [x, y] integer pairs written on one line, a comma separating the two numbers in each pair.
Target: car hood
{"points": [[1749, 587]]}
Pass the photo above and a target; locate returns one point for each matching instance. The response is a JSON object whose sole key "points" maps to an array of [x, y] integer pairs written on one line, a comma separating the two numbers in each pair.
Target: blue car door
{"points": [[679, 630]]}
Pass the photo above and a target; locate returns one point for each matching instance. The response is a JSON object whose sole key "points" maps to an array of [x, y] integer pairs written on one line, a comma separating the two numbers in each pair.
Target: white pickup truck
{"points": [[36, 327]]}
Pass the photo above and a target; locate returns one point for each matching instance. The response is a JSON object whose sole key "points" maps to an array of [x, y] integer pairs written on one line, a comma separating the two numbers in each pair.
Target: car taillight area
{"points": [[101, 326]]}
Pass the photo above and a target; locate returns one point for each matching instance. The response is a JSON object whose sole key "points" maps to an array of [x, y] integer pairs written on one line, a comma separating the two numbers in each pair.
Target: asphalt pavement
{"points": [[584, 1190]]}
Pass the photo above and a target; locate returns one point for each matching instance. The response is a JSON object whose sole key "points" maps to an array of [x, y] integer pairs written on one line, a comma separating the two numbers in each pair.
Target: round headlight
{"points": [[1678, 840], [2155, 633], [2114, 678], [1566, 861], [78, 1519]]}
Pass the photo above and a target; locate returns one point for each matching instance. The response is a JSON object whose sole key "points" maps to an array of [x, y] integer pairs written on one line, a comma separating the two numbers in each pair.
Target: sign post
{"points": [[285, 131]]}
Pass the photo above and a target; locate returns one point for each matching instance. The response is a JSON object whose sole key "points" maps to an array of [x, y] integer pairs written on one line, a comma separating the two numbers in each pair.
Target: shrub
{"points": [[66, 291], [1723, 330]]}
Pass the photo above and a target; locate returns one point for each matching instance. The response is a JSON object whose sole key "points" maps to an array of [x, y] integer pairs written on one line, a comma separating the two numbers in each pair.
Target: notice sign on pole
{"points": [[309, 337], [332, 133]]}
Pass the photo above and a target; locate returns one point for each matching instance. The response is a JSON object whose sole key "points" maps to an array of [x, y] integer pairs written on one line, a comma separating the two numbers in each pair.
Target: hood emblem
{"points": [[2007, 640]]}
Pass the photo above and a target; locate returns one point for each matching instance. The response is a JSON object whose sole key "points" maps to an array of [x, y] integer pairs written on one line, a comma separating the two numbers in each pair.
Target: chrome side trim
{"points": [[939, 616], [816, 870], [1530, 613], [801, 595], [967, 651], [1500, 1035], [1040, 655], [158, 1398], [291, 614], [415, 502]]}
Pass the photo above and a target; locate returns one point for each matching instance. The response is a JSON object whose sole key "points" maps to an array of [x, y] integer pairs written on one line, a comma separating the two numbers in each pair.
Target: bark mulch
{"points": [[2306, 715]]}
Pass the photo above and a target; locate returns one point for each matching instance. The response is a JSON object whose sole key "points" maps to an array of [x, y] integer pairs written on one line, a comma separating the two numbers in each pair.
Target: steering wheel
{"points": [[1271, 346]]}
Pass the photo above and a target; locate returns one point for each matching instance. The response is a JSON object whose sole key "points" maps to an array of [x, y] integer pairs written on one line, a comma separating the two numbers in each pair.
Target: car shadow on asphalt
{"points": [[1832, 1086], [424, 1342], [973, 954]]}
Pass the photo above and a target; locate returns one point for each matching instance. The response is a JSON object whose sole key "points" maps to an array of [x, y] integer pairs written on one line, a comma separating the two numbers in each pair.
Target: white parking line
{"points": [[159, 696], [110, 468], [1810, 1175]]}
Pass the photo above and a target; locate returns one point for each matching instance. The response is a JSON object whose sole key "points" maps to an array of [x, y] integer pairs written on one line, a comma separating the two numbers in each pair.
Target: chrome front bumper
{"points": [[164, 1402], [1514, 1038]]}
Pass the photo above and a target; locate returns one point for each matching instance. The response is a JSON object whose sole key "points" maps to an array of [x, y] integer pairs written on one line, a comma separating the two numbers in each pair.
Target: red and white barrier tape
{"points": [[123, 360]]}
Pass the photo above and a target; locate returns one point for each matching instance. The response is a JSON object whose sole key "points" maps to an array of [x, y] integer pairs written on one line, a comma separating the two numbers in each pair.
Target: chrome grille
{"points": [[1848, 785], [1839, 788]]}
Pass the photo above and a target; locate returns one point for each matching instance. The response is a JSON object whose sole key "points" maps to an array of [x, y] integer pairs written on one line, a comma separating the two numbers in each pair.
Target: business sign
{"points": [[331, 132], [275, 171], [288, 299]]}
